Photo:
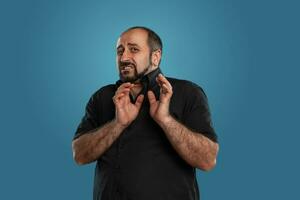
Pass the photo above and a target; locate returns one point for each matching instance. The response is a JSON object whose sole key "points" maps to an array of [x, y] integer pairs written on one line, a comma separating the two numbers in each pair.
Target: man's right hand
{"points": [[126, 111]]}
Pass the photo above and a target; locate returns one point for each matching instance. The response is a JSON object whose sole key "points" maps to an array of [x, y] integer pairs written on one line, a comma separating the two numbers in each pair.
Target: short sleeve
{"points": [[197, 116], [90, 119]]}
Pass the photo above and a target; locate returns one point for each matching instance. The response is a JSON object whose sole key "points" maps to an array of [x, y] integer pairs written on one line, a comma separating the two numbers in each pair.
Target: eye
{"points": [[134, 49], [119, 51]]}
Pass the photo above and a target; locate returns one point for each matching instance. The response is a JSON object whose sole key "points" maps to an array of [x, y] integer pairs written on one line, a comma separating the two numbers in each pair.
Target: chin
{"points": [[131, 79]]}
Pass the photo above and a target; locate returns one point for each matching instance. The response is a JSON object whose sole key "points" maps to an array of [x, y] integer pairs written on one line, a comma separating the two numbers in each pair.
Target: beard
{"points": [[136, 76]]}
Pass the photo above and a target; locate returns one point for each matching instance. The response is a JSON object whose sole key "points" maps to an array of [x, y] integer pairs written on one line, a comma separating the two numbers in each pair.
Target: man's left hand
{"points": [[159, 110]]}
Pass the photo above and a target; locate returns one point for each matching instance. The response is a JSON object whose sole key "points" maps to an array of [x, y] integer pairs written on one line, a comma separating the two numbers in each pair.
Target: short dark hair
{"points": [[154, 41]]}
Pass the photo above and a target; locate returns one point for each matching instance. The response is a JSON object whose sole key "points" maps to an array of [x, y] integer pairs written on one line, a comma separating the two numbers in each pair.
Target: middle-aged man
{"points": [[147, 132]]}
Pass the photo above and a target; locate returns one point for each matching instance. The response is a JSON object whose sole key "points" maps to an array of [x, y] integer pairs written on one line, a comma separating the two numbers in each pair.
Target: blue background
{"points": [[245, 54]]}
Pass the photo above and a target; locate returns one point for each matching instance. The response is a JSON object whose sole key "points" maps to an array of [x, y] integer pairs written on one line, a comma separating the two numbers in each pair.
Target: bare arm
{"points": [[196, 149], [90, 146]]}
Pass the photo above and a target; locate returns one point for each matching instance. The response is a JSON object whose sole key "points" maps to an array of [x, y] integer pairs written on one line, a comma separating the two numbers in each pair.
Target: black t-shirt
{"points": [[141, 164]]}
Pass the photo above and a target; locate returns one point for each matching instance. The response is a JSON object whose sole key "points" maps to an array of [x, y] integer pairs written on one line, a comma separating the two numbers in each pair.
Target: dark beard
{"points": [[137, 76]]}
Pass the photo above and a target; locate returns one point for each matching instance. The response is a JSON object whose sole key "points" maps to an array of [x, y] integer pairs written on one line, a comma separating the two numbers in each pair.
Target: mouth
{"points": [[127, 67]]}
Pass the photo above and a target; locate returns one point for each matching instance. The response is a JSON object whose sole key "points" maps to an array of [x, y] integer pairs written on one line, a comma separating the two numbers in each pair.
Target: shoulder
{"points": [[185, 86], [105, 91]]}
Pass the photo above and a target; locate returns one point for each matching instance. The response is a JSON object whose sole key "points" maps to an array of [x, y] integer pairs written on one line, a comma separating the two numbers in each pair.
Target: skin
{"points": [[134, 60], [194, 148], [133, 56]]}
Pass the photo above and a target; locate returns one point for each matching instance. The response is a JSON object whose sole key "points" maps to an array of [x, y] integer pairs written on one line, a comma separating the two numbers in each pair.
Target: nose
{"points": [[126, 56]]}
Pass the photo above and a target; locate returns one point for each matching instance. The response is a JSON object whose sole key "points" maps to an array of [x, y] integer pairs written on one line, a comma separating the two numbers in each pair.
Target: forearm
{"points": [[196, 149], [89, 147]]}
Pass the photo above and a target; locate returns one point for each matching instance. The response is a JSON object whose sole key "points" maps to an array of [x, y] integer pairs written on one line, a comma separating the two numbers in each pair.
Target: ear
{"points": [[155, 57]]}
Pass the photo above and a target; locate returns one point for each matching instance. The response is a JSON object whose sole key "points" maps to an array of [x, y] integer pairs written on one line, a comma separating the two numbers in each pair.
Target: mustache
{"points": [[126, 63]]}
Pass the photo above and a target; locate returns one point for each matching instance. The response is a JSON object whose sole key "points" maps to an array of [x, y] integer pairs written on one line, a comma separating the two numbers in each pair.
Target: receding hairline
{"points": [[153, 39], [135, 28], [128, 30]]}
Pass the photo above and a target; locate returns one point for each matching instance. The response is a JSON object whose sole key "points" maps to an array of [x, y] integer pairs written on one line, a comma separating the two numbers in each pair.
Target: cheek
{"points": [[142, 64], [144, 61], [117, 59]]}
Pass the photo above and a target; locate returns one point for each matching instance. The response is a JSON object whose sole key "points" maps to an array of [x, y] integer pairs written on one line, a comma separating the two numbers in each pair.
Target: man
{"points": [[147, 132]]}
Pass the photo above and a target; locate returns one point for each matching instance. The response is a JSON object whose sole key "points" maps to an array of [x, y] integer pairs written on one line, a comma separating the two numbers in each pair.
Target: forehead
{"points": [[135, 36]]}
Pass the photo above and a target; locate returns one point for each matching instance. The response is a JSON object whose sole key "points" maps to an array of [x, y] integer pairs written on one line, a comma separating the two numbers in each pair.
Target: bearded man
{"points": [[148, 133]]}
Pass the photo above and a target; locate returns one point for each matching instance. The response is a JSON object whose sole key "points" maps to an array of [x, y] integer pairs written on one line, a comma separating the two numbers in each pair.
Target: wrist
{"points": [[164, 120], [119, 125]]}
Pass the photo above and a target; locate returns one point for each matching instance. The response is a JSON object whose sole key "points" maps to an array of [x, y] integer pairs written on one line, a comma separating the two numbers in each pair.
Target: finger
{"points": [[151, 97], [117, 97], [127, 84], [139, 101], [124, 86], [163, 80], [166, 89], [158, 81], [121, 93], [125, 89], [126, 97]]}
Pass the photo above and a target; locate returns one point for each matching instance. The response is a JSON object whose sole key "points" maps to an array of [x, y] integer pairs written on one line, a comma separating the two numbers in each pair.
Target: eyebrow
{"points": [[133, 44], [120, 46], [129, 44]]}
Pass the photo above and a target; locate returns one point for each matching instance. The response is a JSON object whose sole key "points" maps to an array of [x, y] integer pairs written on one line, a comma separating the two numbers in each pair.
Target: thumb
{"points": [[151, 97], [139, 101]]}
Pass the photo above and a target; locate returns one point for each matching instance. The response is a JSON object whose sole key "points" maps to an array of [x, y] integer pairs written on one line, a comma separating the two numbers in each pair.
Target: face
{"points": [[133, 55]]}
